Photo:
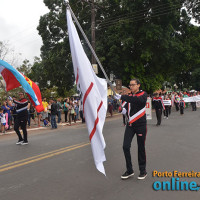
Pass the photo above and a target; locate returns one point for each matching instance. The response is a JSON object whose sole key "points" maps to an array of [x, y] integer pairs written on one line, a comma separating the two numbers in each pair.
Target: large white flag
{"points": [[94, 95]]}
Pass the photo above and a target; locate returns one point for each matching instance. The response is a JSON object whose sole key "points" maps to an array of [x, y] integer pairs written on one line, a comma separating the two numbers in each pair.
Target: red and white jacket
{"points": [[135, 104], [158, 103]]}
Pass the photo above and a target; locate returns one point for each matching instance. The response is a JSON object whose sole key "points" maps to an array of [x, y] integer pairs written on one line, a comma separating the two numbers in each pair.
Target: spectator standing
{"points": [[49, 111], [110, 108], [71, 111], [39, 118], [7, 109], [3, 120], [76, 109], [59, 107], [54, 112], [65, 106], [45, 105], [31, 114]]}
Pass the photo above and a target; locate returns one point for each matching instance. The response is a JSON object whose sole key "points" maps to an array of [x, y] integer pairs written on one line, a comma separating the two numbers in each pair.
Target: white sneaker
{"points": [[24, 143], [142, 176], [19, 142]]}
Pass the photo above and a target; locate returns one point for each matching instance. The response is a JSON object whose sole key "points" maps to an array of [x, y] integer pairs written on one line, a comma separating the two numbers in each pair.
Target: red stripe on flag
{"points": [[138, 117], [86, 94], [99, 106], [96, 122]]}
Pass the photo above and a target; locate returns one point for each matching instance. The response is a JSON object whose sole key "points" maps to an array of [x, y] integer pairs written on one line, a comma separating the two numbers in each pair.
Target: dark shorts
{"points": [[32, 116]]}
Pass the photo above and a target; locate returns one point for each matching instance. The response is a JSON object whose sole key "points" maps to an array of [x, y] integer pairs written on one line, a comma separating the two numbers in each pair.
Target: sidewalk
{"points": [[34, 127]]}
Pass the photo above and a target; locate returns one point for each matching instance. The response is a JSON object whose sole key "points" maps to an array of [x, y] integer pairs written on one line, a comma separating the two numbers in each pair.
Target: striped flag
{"points": [[13, 79], [93, 95]]}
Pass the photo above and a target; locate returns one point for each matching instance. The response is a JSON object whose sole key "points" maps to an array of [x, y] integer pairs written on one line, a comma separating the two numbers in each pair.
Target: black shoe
{"points": [[142, 176], [127, 175]]}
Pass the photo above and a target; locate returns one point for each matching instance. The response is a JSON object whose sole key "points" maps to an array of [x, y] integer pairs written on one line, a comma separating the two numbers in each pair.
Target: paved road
{"points": [[58, 165]]}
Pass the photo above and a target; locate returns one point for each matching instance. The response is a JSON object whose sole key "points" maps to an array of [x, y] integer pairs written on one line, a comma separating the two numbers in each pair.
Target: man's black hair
{"points": [[136, 80]]}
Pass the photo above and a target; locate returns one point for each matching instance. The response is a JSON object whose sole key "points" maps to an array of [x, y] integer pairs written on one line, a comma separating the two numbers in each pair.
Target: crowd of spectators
{"points": [[56, 111], [70, 110]]}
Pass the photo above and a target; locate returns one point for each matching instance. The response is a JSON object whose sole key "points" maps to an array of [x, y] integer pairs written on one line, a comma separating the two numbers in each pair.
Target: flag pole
{"points": [[66, 2]]}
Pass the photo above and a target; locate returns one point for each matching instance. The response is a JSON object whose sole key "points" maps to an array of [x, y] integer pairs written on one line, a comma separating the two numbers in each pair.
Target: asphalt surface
{"points": [[58, 165]]}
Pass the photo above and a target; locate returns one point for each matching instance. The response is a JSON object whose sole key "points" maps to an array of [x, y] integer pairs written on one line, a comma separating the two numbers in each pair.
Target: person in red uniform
{"points": [[21, 118], [135, 109], [159, 106], [182, 106]]}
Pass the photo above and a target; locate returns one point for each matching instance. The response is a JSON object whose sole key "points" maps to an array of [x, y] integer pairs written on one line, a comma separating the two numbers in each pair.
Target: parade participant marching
{"points": [[135, 108], [182, 106], [194, 107], [167, 107], [158, 105], [176, 101], [21, 118]]}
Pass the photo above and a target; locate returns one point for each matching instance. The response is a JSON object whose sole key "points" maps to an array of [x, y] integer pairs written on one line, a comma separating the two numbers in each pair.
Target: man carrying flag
{"points": [[21, 119]]}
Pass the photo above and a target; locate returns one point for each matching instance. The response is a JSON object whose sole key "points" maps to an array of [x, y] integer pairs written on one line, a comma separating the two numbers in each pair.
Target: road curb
{"points": [[47, 128]]}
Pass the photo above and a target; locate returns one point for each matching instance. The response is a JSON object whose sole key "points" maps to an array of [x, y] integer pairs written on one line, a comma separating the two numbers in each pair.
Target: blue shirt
{"points": [[5, 110]]}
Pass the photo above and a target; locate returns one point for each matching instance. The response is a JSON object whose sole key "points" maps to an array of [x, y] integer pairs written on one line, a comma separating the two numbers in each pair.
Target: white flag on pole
{"points": [[94, 94]]}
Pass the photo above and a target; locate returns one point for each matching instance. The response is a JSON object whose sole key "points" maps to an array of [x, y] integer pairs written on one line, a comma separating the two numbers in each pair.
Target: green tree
{"points": [[25, 68], [147, 39], [141, 39], [55, 52], [38, 74], [193, 9]]}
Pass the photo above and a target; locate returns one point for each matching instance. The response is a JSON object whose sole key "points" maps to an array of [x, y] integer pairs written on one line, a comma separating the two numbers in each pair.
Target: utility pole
{"points": [[93, 29]]}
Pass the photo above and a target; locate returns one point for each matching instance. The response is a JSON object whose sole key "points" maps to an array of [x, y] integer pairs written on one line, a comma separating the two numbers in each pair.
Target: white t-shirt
{"points": [[3, 118]]}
